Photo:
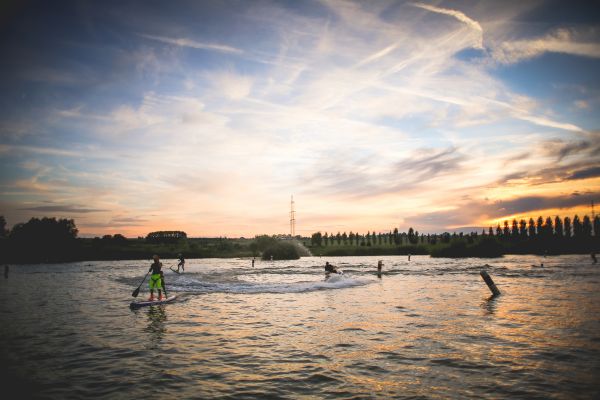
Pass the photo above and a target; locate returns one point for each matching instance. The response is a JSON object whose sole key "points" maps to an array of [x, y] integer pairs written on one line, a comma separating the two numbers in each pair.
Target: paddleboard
{"points": [[174, 270], [138, 304]]}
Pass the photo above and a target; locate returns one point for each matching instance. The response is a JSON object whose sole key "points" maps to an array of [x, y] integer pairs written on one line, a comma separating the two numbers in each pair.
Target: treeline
{"points": [[55, 240], [46, 239], [541, 236]]}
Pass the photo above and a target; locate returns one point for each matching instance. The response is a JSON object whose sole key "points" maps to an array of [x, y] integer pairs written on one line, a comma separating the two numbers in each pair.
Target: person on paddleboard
{"points": [[181, 263], [156, 279]]}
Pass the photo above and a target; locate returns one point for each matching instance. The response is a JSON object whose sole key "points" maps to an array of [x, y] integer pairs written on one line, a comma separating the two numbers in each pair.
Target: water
{"points": [[424, 329]]}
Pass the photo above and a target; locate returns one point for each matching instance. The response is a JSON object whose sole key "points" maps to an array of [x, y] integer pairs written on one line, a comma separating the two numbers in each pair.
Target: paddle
{"points": [[137, 291]]}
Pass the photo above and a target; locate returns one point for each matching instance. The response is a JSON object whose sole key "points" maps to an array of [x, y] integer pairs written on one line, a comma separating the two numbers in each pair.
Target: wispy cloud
{"points": [[565, 41], [471, 23], [64, 209], [184, 42]]}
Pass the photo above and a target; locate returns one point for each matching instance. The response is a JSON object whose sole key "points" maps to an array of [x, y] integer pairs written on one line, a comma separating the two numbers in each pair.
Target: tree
{"points": [[491, 231], [498, 231], [539, 225], [531, 228], [548, 228], [577, 227], [46, 239], [586, 227], [515, 229], [411, 236], [506, 230], [3, 230], [558, 227], [396, 237], [351, 237], [567, 227], [523, 229], [264, 241], [338, 238], [345, 238], [325, 239], [316, 239]]}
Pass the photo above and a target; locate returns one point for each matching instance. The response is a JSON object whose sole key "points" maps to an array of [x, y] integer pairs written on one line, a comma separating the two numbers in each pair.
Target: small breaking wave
{"points": [[198, 285]]}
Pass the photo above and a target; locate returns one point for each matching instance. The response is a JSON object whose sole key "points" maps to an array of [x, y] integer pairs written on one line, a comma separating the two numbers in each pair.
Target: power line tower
{"points": [[292, 218]]}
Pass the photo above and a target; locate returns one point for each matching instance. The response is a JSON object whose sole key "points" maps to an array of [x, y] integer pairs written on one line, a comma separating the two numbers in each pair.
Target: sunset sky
{"points": [[207, 116]]}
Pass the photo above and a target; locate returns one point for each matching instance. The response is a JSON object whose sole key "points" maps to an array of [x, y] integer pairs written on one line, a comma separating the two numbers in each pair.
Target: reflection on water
{"points": [[280, 330], [489, 305], [156, 325]]}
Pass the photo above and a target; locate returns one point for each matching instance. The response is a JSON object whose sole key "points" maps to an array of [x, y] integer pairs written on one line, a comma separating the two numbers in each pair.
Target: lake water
{"points": [[423, 329]]}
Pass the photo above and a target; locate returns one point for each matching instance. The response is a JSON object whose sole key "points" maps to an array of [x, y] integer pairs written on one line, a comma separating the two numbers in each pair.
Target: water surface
{"points": [[422, 329]]}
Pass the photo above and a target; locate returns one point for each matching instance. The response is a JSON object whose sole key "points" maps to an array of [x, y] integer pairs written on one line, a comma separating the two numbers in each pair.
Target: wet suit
{"points": [[181, 263]]}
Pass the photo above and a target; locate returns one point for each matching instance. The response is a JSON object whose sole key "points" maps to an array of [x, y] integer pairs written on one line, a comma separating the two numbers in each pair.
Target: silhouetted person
{"points": [[181, 263], [593, 255], [330, 268], [408, 256], [253, 262], [379, 265]]}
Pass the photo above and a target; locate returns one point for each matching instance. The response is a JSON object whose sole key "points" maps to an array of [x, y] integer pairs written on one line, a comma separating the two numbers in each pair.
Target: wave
{"points": [[196, 284]]}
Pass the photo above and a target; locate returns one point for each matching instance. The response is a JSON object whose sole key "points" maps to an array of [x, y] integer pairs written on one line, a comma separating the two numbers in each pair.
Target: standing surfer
{"points": [[156, 279], [181, 263]]}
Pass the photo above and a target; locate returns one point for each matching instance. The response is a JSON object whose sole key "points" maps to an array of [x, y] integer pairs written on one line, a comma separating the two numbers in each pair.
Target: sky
{"points": [[208, 116]]}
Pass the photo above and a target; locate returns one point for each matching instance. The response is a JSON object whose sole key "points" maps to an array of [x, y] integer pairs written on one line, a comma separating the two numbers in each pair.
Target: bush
{"points": [[281, 251]]}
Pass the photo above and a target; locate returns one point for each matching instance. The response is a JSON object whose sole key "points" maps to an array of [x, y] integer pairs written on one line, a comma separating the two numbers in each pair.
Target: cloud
{"points": [[6, 148], [586, 173], [562, 40], [459, 16], [345, 174], [230, 84], [64, 209], [183, 42], [378, 55], [471, 212]]}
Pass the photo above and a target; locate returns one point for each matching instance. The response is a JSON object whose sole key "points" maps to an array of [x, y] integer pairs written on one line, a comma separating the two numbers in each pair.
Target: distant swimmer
{"points": [[594, 259], [181, 263]]}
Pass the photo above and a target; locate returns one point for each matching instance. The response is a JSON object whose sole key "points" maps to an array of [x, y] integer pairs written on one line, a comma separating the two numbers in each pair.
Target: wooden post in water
{"points": [[490, 283]]}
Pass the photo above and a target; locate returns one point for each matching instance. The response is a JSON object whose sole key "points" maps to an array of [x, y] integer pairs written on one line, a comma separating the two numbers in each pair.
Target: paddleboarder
{"points": [[156, 279]]}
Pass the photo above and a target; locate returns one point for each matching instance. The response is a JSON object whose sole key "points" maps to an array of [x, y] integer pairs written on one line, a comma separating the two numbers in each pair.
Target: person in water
{"points": [[330, 268], [379, 265], [594, 259], [181, 263], [156, 279]]}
